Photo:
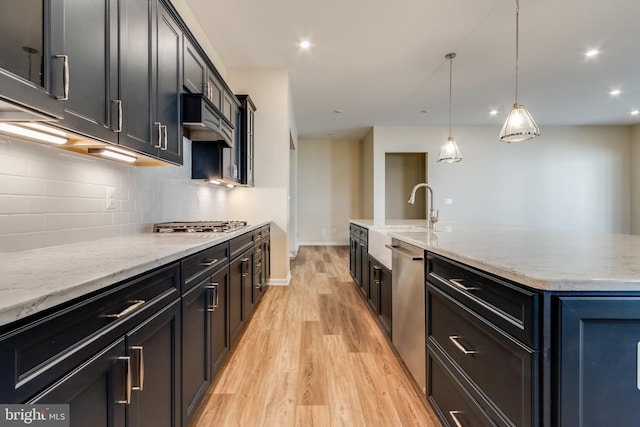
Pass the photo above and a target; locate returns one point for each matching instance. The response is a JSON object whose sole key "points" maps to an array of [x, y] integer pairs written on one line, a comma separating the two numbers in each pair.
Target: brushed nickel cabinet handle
{"points": [[140, 350], [65, 77], [213, 300], [136, 304], [638, 370], [118, 102], [454, 339], [457, 284], [209, 263], [454, 417], [127, 391], [159, 125], [166, 143]]}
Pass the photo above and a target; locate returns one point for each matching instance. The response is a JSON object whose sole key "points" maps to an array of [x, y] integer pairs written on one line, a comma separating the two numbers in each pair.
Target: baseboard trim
{"points": [[280, 282], [324, 243]]}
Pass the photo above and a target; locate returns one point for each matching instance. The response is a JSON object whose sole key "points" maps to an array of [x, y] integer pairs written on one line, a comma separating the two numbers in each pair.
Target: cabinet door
{"points": [[155, 358], [30, 72], [194, 69], [385, 297], [90, 43], [248, 155], [96, 391], [599, 361], [236, 314], [196, 344], [219, 320], [266, 259], [135, 20], [374, 284], [168, 77], [352, 257], [214, 89], [248, 264]]}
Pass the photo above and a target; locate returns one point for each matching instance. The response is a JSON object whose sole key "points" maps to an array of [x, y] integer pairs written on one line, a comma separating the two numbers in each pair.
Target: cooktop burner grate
{"points": [[198, 226]]}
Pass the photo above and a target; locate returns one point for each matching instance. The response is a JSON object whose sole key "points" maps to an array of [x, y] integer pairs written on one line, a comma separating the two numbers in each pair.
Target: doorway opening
{"points": [[402, 172]]}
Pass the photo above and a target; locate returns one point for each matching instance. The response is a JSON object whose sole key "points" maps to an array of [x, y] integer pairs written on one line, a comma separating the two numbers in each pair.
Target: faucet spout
{"points": [[432, 216]]}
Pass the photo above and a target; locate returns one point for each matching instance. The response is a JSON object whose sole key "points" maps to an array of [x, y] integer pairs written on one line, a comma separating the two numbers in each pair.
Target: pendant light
{"points": [[449, 152], [519, 126]]}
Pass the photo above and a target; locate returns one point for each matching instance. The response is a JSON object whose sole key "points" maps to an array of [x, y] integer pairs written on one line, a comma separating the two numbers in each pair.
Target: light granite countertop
{"points": [[34, 280], [543, 259]]}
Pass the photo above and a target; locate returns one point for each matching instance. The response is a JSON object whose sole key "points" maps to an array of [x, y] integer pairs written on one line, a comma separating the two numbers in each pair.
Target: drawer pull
{"points": [[213, 299], [454, 417], [454, 339], [127, 391], [457, 284], [209, 263], [127, 310], [140, 350], [638, 370]]}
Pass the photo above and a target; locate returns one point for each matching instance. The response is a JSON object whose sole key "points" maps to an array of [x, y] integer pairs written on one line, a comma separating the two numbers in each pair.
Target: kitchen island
{"points": [[529, 327]]}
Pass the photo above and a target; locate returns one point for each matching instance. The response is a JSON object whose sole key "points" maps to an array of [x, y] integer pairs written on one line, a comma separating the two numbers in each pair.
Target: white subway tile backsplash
{"points": [[50, 197]]}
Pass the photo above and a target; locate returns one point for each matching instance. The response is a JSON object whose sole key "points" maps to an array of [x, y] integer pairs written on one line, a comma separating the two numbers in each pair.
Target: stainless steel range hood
{"points": [[202, 121]]}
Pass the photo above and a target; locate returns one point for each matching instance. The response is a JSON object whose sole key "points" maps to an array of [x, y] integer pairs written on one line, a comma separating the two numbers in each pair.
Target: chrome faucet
{"points": [[432, 216]]}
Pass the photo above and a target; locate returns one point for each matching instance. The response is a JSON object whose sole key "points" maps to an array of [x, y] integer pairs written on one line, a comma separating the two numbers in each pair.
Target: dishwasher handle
{"points": [[405, 252]]}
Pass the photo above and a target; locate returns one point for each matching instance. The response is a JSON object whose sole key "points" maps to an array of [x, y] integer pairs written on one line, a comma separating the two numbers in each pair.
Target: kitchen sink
{"points": [[379, 238]]}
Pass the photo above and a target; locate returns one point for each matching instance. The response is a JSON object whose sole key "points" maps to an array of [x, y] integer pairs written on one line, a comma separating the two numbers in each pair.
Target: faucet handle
{"points": [[434, 218]]}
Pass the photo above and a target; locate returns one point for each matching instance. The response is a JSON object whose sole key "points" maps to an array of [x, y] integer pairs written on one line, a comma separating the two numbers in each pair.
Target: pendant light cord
{"points": [[450, 84], [517, 43]]}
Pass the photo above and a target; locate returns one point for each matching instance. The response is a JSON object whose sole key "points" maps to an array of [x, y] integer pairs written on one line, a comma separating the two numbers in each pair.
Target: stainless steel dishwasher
{"points": [[407, 308]]}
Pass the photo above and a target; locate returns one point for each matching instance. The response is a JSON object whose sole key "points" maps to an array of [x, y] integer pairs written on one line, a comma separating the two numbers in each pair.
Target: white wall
{"points": [[269, 89], [366, 177], [635, 179], [51, 197], [570, 177], [329, 190]]}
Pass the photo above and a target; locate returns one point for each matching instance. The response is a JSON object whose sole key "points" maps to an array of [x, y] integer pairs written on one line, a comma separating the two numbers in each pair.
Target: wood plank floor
{"points": [[313, 355]]}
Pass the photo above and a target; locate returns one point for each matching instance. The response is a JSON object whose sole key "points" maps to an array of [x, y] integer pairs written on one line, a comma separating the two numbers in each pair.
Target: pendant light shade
{"points": [[519, 126], [449, 152]]}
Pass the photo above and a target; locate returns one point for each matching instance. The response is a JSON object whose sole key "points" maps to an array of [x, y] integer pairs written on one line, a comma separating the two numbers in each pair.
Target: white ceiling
{"points": [[382, 62]]}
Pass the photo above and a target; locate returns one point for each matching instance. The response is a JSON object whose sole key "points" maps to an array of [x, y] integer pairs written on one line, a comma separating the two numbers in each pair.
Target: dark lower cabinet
{"points": [[599, 361], [154, 349], [219, 320], [379, 279], [96, 391], [247, 266], [236, 291]]}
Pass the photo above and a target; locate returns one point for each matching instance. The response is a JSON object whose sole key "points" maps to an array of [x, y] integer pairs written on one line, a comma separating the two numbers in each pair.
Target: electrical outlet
{"points": [[448, 201], [110, 200]]}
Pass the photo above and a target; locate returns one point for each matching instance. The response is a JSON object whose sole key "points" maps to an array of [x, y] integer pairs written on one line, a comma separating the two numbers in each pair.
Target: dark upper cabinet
{"points": [[199, 77], [32, 73], [150, 80], [245, 139], [89, 42], [167, 71]]}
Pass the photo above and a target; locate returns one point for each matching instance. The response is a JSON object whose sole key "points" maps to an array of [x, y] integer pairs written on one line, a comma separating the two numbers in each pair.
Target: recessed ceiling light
{"points": [[338, 111], [591, 53], [425, 111], [615, 92], [331, 133], [305, 44], [493, 112], [635, 112]]}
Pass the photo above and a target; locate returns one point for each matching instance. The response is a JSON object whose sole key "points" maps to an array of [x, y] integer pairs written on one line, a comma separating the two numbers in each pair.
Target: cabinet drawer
{"points": [[496, 364], [202, 263], [39, 352], [450, 400], [506, 305], [241, 244]]}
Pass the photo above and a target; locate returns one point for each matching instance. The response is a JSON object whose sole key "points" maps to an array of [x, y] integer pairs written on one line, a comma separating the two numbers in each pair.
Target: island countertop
{"points": [[543, 259], [34, 280]]}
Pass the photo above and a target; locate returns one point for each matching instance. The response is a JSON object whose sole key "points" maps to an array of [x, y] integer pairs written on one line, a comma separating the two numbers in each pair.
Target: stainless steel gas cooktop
{"points": [[198, 226]]}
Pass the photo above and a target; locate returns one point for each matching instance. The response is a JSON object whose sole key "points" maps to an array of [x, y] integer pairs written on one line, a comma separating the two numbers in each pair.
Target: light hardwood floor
{"points": [[313, 355]]}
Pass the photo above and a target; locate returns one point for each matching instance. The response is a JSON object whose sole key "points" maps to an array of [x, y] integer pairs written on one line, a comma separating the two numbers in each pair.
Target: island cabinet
{"points": [[113, 355], [483, 347], [241, 277], [205, 326], [597, 343], [358, 257], [379, 294]]}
